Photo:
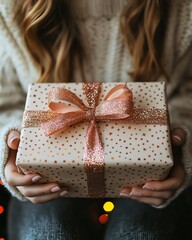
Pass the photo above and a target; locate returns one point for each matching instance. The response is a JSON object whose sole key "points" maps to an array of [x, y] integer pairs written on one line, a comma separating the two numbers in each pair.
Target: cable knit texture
{"points": [[107, 60]]}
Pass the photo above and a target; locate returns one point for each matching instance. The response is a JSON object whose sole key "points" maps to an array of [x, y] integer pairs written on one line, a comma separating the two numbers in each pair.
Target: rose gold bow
{"points": [[118, 104]]}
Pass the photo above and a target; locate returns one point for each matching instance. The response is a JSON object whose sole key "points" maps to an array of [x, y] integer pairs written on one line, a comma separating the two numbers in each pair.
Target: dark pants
{"points": [[77, 219]]}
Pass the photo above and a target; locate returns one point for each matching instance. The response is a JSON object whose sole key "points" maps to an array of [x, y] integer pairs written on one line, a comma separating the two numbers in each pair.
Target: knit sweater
{"points": [[108, 60]]}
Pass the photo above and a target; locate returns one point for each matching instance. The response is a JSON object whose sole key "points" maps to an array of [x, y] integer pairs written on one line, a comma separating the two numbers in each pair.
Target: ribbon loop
{"points": [[63, 100]]}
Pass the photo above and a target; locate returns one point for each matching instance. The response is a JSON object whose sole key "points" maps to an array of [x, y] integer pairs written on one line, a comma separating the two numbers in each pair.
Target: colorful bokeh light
{"points": [[103, 219], [1, 209], [108, 206]]}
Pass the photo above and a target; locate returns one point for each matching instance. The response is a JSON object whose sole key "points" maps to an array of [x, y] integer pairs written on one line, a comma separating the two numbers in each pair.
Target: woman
{"points": [[62, 41]]}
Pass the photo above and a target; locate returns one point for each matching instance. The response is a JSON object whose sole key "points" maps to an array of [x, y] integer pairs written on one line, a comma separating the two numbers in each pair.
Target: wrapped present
{"points": [[96, 138]]}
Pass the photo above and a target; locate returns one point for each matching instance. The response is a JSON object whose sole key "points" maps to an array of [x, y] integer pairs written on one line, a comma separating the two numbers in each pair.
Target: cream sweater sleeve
{"points": [[181, 117], [12, 99], [180, 108]]}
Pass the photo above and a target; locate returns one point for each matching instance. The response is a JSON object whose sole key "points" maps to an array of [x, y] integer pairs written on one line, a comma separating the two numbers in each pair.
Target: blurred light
{"points": [[1, 209], [1, 184], [103, 219], [108, 206]]}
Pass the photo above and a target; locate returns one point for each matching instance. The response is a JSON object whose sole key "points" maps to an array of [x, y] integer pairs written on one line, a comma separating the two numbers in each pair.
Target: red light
{"points": [[103, 219], [1, 209]]}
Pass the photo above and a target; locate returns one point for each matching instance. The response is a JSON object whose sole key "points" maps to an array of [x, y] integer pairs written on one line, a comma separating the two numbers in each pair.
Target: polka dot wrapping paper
{"points": [[134, 152]]}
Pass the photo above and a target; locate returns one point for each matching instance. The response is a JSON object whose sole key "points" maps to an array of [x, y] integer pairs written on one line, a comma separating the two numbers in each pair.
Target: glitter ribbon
{"points": [[118, 104], [139, 116]]}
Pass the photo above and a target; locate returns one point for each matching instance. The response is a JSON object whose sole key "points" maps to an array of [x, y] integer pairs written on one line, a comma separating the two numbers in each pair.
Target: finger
{"points": [[47, 197], [125, 192], [166, 185], [139, 192], [170, 184], [178, 136], [13, 140], [11, 162], [40, 189], [18, 179], [150, 201], [174, 181]]}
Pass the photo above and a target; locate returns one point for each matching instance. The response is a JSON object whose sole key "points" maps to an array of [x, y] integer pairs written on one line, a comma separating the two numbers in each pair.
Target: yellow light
{"points": [[108, 206]]}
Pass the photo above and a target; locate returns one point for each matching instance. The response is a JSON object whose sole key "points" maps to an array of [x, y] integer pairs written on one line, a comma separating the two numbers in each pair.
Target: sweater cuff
{"points": [[4, 152], [186, 160]]}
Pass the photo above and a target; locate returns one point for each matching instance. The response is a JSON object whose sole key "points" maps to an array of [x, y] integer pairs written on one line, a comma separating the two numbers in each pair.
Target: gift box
{"points": [[96, 138]]}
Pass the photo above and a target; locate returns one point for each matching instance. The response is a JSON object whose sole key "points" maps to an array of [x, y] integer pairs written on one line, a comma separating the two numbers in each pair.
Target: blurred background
{"points": [[183, 204]]}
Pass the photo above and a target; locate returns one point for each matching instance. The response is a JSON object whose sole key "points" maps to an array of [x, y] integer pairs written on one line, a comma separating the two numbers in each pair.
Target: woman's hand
{"points": [[36, 193], [157, 192]]}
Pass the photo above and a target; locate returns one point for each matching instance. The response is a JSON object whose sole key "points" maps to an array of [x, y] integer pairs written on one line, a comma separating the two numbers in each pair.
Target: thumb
{"points": [[178, 136], [13, 140]]}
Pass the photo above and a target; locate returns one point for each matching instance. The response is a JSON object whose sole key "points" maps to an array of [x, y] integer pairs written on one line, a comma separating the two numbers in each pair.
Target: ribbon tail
{"points": [[94, 162], [62, 121]]}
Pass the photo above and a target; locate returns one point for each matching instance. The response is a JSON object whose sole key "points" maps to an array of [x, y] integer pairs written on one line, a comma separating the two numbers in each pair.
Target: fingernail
{"points": [[136, 194], [13, 139], [36, 178], [14, 143], [123, 194], [148, 187], [55, 189], [177, 139], [13, 136], [62, 194]]}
